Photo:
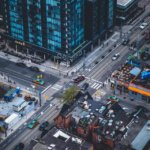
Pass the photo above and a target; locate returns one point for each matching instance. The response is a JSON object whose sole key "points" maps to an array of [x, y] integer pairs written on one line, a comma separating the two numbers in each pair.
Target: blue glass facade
{"points": [[34, 22], [111, 13], [53, 23], [57, 26], [16, 19]]}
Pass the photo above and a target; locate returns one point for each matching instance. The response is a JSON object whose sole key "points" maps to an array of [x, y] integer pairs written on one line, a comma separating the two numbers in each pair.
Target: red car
{"points": [[79, 79]]}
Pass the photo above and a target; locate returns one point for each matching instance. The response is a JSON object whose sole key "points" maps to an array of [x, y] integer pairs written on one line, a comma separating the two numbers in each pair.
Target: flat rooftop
{"points": [[61, 140], [124, 3], [143, 137]]}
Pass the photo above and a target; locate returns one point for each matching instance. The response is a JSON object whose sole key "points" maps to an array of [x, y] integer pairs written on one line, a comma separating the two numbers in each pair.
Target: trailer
{"points": [[12, 93], [12, 120], [20, 105]]}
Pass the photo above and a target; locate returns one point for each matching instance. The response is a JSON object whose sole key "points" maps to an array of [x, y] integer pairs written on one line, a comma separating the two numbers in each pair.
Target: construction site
{"points": [[16, 105]]}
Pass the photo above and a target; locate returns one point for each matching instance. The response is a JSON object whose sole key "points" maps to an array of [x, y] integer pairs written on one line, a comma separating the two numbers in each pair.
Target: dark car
{"points": [[30, 103], [84, 86], [125, 42], [20, 64], [79, 79], [19, 146], [27, 98], [35, 69], [43, 126]]}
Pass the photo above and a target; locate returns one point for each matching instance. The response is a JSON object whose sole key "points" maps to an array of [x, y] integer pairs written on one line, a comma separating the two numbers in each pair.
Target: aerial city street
{"points": [[74, 74]]}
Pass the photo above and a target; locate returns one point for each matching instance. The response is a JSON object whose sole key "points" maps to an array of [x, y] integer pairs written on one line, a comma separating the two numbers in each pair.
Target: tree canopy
{"points": [[69, 94]]}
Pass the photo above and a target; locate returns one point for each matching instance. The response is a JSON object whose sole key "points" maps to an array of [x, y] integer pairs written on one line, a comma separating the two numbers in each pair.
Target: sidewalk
{"points": [[18, 124], [52, 67]]}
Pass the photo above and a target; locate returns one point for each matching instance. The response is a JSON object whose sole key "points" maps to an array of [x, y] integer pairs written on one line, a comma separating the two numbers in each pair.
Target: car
{"points": [[32, 124], [109, 50], [143, 25], [79, 79], [125, 41], [30, 103], [43, 126], [38, 81], [84, 86], [102, 56], [113, 99], [96, 62], [27, 98], [19, 146], [116, 56], [35, 69], [102, 109], [20, 64]]}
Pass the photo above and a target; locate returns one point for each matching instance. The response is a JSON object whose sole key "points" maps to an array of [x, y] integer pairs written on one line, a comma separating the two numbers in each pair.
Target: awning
{"points": [[135, 71]]}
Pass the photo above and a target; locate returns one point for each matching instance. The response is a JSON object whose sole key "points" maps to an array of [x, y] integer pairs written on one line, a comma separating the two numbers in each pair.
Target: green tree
{"points": [[69, 94]]}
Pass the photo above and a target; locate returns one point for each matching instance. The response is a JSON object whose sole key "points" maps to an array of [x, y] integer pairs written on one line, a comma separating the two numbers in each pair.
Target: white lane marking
{"points": [[93, 85], [98, 87]]}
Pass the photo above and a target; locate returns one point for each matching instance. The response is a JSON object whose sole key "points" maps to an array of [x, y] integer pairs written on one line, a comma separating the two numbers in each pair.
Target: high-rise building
{"points": [[99, 18], [54, 27], [127, 10]]}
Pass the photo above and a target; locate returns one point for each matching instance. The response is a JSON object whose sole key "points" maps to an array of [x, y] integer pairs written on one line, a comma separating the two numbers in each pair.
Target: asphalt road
{"points": [[24, 76], [106, 66], [25, 135]]}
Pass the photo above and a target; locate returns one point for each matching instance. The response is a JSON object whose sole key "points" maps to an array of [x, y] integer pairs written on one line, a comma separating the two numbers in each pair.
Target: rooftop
{"points": [[124, 3], [135, 77], [143, 137], [60, 140]]}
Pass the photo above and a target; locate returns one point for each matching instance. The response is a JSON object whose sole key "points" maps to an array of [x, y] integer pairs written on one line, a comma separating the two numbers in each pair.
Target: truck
{"points": [[12, 120], [20, 105], [12, 93]]}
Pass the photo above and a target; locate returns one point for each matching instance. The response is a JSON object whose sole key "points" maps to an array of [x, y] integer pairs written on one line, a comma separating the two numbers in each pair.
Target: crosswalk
{"points": [[57, 87], [96, 85]]}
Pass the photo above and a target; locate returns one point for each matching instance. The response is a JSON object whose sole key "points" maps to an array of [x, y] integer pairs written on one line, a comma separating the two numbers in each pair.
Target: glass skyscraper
{"points": [[99, 18], [50, 26]]}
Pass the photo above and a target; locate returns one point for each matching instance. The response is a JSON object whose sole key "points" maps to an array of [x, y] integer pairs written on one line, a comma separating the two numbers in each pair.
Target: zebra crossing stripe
{"points": [[93, 85], [98, 87]]}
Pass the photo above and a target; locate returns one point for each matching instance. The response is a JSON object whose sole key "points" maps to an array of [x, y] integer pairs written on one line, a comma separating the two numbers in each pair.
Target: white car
{"points": [[143, 25], [116, 56]]}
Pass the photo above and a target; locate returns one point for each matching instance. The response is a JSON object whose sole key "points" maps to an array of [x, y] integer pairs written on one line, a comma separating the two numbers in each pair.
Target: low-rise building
{"points": [[132, 80], [61, 140], [93, 121]]}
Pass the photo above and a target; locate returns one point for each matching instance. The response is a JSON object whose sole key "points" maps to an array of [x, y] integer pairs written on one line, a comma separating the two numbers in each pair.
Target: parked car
{"points": [[125, 41], [35, 69], [43, 126], [79, 79], [20, 64], [30, 103], [116, 56], [27, 98], [19, 146]]}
